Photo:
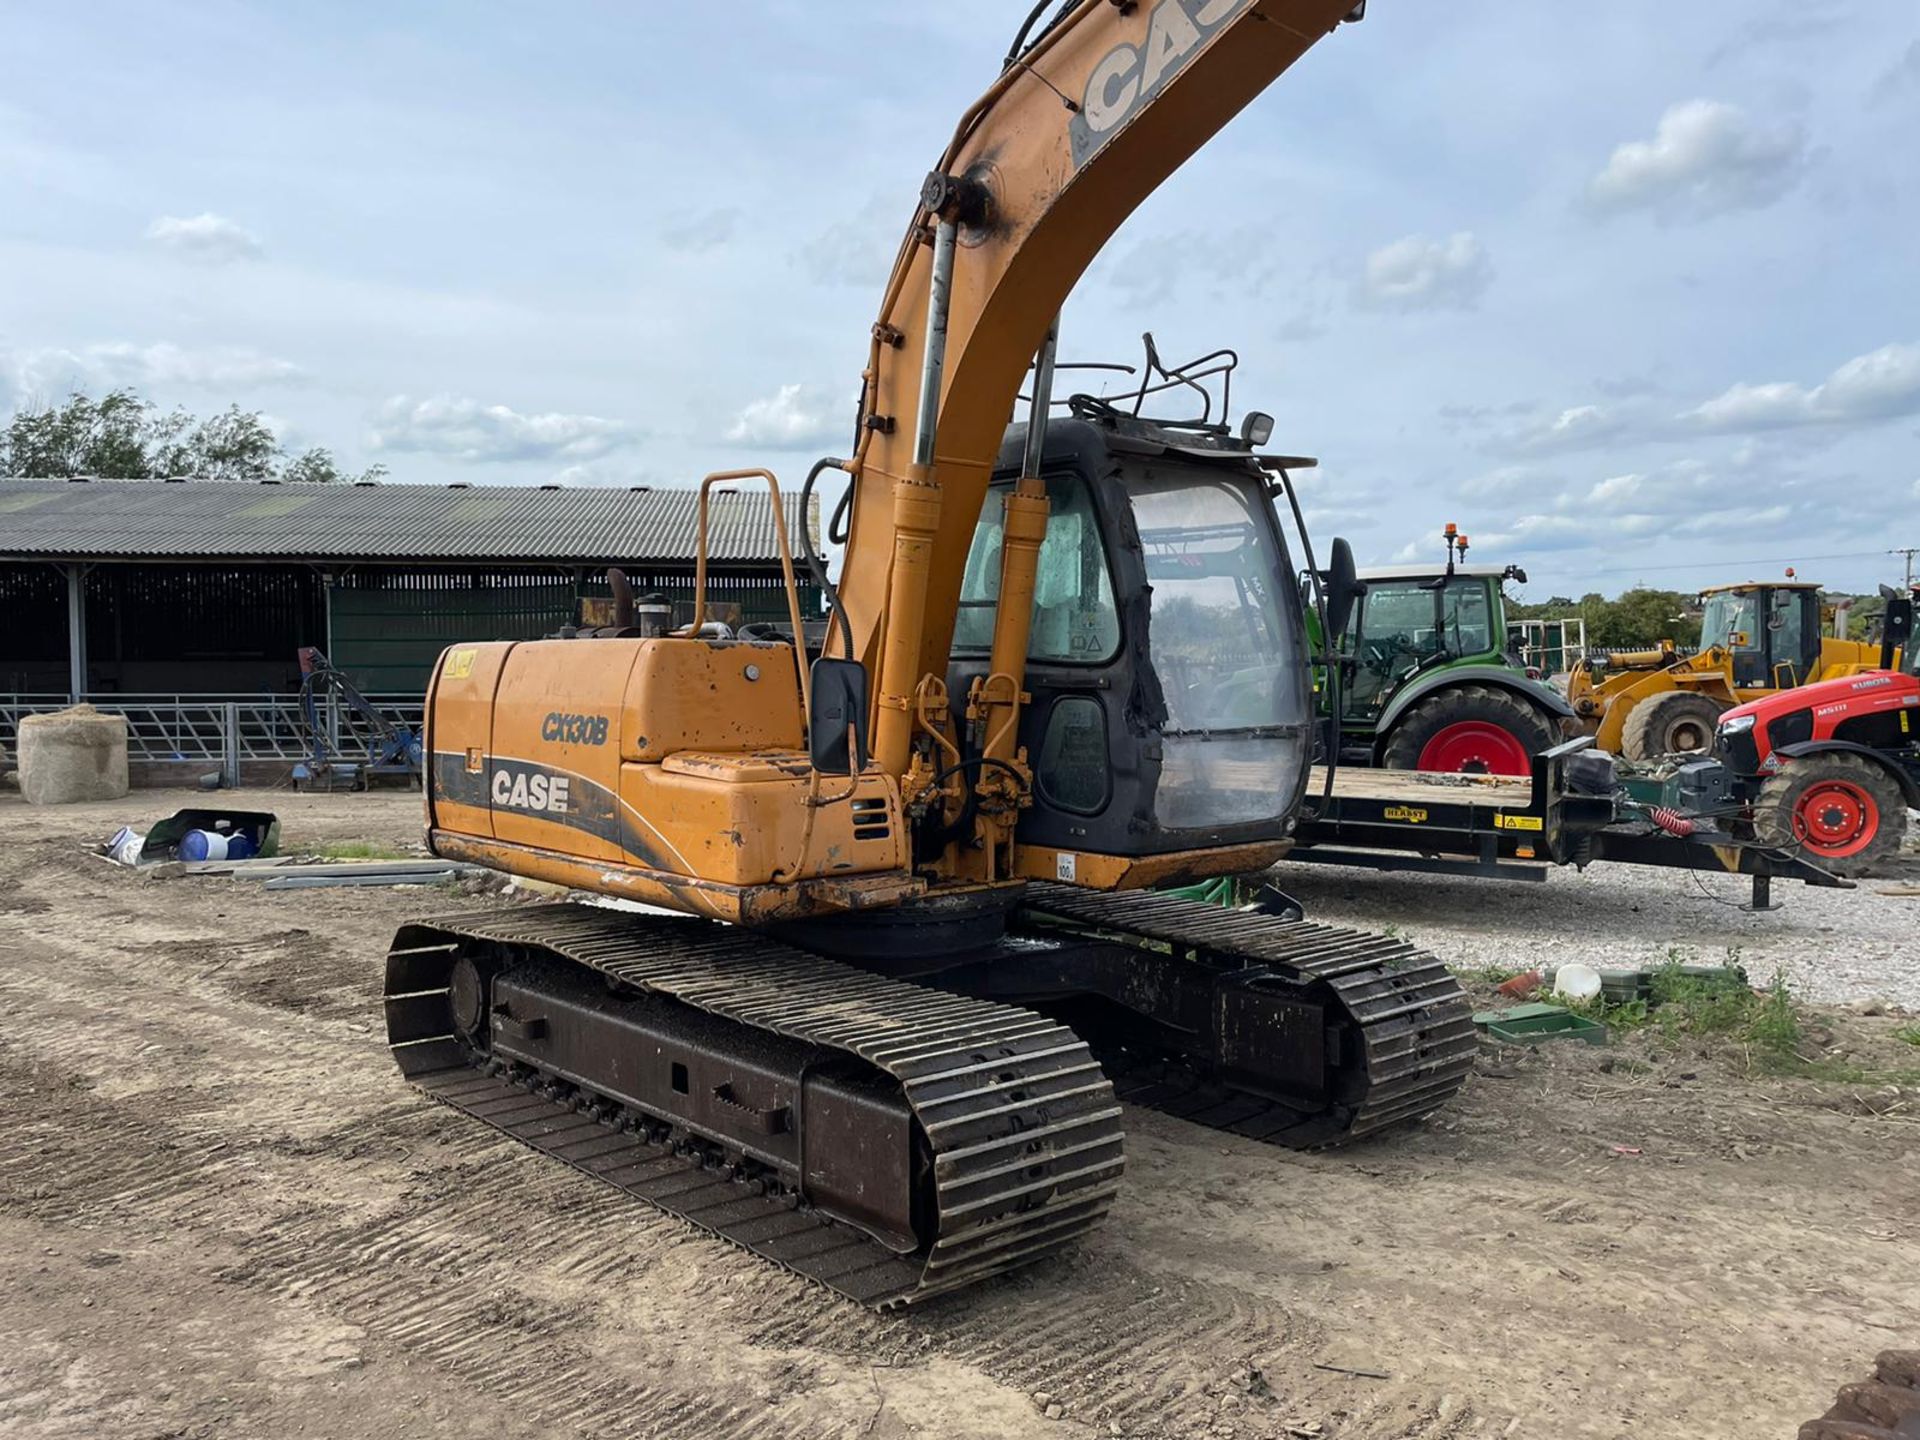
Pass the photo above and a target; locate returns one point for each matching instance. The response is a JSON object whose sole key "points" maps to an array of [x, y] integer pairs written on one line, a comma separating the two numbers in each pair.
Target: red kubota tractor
{"points": [[1831, 769]]}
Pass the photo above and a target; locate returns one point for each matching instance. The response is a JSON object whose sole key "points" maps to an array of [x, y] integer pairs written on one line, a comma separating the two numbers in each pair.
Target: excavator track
{"points": [[1015, 1131], [1410, 1030], [1885, 1407]]}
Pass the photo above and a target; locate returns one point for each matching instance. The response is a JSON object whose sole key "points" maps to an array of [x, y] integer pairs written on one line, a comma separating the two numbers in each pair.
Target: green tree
{"points": [[1641, 617], [121, 437], [1636, 619], [317, 467], [233, 445], [82, 436]]}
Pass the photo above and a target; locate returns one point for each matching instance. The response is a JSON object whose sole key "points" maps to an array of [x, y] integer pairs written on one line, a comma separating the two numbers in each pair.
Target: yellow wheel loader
{"points": [[1756, 639]]}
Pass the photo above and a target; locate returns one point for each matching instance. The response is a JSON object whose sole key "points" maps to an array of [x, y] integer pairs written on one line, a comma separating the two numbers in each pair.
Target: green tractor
{"points": [[1426, 679]]}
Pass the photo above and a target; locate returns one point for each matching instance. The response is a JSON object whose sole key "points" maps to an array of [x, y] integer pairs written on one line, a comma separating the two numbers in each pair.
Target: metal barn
{"points": [[161, 597]]}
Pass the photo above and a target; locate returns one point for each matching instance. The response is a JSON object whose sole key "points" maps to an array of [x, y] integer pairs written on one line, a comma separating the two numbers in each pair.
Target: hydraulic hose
{"points": [[811, 557]]}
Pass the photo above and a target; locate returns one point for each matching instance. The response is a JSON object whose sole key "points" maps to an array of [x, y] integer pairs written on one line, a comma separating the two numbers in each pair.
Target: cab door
{"points": [[1793, 637], [1073, 651], [1171, 702]]}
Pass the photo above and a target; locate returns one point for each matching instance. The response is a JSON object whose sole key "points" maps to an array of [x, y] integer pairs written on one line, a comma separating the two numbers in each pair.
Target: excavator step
{"points": [[1409, 1027], [953, 1138]]}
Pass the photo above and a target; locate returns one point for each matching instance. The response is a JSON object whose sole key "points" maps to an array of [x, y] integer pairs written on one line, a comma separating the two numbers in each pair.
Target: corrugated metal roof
{"points": [[206, 519]]}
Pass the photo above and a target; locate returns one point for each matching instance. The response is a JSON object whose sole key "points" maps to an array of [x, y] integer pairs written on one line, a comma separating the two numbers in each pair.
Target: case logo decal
{"points": [[531, 790]]}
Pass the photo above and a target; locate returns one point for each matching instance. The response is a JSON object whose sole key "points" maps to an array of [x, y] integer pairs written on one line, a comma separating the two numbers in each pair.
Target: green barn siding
{"points": [[388, 628], [387, 639]]}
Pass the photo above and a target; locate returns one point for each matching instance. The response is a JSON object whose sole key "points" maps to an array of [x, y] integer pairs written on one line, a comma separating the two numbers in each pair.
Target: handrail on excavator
{"points": [[786, 568]]}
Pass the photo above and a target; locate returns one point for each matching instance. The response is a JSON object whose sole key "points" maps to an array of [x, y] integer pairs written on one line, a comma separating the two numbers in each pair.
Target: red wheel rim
{"points": [[1836, 818], [1476, 747]]}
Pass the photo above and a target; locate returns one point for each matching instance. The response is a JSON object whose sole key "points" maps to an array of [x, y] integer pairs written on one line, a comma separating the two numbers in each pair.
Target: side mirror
{"points": [[837, 717], [1896, 628], [1343, 587]]}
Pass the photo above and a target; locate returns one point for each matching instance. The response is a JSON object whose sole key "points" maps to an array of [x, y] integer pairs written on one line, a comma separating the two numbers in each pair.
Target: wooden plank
{"points": [[1417, 786]]}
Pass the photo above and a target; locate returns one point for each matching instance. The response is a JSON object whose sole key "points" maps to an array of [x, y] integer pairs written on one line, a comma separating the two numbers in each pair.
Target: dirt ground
{"points": [[225, 1215]]}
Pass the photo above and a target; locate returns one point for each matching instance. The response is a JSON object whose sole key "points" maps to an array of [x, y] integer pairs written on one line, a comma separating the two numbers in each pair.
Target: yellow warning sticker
{"points": [[1517, 822], [459, 664], [1407, 813]]}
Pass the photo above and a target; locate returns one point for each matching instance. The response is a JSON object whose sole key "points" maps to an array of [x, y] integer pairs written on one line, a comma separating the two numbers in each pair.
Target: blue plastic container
{"points": [[213, 845]]}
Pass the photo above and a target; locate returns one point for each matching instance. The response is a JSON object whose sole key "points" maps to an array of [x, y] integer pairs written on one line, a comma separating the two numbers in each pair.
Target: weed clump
{"points": [[356, 850]]}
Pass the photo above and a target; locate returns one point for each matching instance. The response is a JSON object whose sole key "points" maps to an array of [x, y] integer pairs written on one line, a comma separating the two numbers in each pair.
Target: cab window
{"points": [[1400, 614], [1074, 619], [1401, 628], [1225, 639], [1731, 622]]}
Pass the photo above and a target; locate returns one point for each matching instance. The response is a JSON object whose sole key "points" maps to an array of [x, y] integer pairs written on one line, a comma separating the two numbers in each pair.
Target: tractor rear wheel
{"points": [[1470, 729], [1677, 723], [1844, 813]]}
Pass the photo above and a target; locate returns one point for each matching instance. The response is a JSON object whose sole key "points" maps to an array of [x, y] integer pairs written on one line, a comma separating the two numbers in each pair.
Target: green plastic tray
{"points": [[1537, 1024]]}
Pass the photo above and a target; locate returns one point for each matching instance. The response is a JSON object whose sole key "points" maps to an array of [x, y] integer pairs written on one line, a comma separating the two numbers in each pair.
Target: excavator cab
{"points": [[1168, 663]]}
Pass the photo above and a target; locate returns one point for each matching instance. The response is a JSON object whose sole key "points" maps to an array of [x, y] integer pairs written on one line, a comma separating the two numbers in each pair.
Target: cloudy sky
{"points": [[1630, 291]]}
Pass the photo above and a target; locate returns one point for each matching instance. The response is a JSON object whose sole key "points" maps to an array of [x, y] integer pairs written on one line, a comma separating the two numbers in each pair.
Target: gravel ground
{"points": [[1838, 946]]}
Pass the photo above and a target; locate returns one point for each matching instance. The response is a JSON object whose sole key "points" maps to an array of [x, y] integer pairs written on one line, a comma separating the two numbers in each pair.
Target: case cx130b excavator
{"points": [[916, 964]]}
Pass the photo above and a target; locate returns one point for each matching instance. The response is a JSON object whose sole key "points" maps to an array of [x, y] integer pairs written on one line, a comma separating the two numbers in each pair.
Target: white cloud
{"points": [[1233, 262], [47, 372], [1417, 273], [795, 417], [1705, 158], [858, 249], [1617, 489], [464, 429], [208, 237], [620, 469], [700, 230], [1902, 80], [1579, 427], [1882, 385]]}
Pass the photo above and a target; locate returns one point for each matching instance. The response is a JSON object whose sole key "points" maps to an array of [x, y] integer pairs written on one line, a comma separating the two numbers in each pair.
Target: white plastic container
{"points": [[1576, 982]]}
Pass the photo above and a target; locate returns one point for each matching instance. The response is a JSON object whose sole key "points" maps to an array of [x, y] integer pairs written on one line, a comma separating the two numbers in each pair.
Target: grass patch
{"points": [[1711, 1008], [357, 850], [1492, 975], [1762, 1027]]}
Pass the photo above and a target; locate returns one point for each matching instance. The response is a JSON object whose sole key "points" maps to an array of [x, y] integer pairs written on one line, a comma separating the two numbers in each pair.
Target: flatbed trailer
{"points": [[1505, 828]]}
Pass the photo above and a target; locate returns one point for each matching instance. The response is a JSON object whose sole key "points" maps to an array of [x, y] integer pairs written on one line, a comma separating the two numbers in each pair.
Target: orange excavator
{"points": [[895, 959]]}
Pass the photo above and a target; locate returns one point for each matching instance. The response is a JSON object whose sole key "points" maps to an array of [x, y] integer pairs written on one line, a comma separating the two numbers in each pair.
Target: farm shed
{"points": [[201, 588]]}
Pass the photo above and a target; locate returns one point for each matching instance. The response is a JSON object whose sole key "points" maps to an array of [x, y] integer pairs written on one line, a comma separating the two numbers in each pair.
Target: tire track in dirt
{"points": [[438, 1285], [1110, 1342], [457, 1283]]}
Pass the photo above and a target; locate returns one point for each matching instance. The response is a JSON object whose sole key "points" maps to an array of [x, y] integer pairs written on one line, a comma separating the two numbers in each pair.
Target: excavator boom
{"points": [[1042, 169]]}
